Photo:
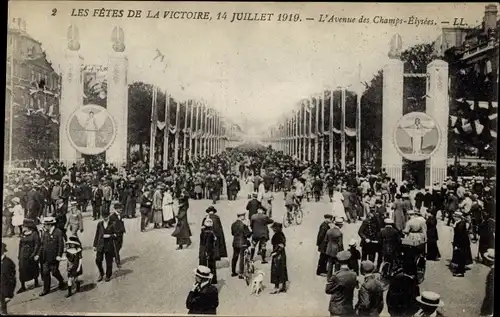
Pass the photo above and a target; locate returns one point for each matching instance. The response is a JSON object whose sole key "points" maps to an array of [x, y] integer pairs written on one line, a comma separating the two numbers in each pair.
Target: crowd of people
{"points": [[43, 206]]}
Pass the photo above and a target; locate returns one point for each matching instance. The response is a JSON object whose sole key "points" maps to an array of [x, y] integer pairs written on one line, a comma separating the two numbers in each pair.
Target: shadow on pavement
{"points": [[220, 284], [122, 272], [222, 264], [129, 259], [87, 287]]}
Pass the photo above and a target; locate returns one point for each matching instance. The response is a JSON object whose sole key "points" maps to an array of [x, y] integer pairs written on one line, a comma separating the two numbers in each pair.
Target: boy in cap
{"points": [[74, 263], [341, 287], [371, 292]]}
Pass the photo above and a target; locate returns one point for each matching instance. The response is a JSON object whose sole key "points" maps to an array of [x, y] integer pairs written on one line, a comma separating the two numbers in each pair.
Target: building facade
{"points": [[32, 98], [472, 54]]}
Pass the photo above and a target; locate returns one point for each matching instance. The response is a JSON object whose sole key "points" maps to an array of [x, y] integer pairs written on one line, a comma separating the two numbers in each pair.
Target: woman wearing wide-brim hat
{"points": [[279, 271], [29, 245], [74, 263]]}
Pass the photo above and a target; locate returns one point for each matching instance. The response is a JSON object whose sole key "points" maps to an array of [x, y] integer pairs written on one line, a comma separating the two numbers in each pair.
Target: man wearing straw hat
{"points": [[429, 302], [50, 254], [203, 299]]}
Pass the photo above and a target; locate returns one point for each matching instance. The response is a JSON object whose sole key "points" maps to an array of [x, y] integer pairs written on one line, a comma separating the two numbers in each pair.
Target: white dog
{"points": [[257, 282]]}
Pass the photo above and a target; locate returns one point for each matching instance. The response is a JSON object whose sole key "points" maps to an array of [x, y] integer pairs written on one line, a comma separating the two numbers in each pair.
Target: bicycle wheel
{"points": [[299, 216], [385, 269], [286, 220], [420, 263]]}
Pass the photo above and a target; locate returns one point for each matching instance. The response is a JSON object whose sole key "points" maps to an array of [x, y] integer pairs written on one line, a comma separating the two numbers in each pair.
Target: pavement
{"points": [[155, 278]]}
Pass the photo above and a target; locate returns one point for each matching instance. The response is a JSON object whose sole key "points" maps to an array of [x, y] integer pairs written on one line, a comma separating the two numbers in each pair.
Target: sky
{"points": [[252, 70]]}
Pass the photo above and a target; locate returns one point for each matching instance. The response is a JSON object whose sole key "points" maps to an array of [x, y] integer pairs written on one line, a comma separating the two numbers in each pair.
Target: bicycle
{"points": [[409, 256], [248, 265], [296, 215]]}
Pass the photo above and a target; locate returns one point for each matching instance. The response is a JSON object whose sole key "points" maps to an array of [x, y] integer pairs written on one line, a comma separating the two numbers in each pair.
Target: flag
{"points": [[456, 131], [479, 127], [336, 131], [453, 120], [483, 105], [350, 132], [493, 134], [161, 125], [467, 127], [493, 116]]}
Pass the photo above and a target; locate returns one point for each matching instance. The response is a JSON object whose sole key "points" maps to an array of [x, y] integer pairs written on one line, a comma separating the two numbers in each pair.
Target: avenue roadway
{"points": [[155, 278]]}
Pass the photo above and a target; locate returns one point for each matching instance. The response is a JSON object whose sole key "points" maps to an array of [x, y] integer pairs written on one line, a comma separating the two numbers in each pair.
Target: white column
{"points": [[166, 132], [71, 99], [117, 102], [320, 127], [342, 130], [330, 152], [177, 128], [185, 132], [308, 137], [392, 111], [438, 108]]}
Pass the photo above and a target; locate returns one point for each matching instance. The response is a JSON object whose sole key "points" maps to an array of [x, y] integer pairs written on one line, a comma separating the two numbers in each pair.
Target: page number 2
{"points": [[54, 11]]}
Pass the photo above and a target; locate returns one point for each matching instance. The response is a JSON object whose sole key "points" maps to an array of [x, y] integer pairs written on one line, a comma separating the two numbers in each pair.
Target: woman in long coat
{"points": [[208, 252], [433, 253], [182, 231], [462, 254], [29, 245], [219, 233], [168, 208], [279, 271]]}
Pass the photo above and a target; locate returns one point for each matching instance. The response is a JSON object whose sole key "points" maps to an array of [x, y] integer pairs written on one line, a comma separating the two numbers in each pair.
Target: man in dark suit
{"points": [[321, 243], [8, 280], [50, 254], [260, 232], [44, 197], [253, 205], [203, 299], [241, 233], [104, 246], [96, 201], [33, 202], [65, 191], [119, 226], [86, 196]]}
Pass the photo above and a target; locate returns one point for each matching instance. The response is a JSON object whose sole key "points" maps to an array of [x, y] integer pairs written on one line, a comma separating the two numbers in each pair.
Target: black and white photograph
{"points": [[250, 158]]}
